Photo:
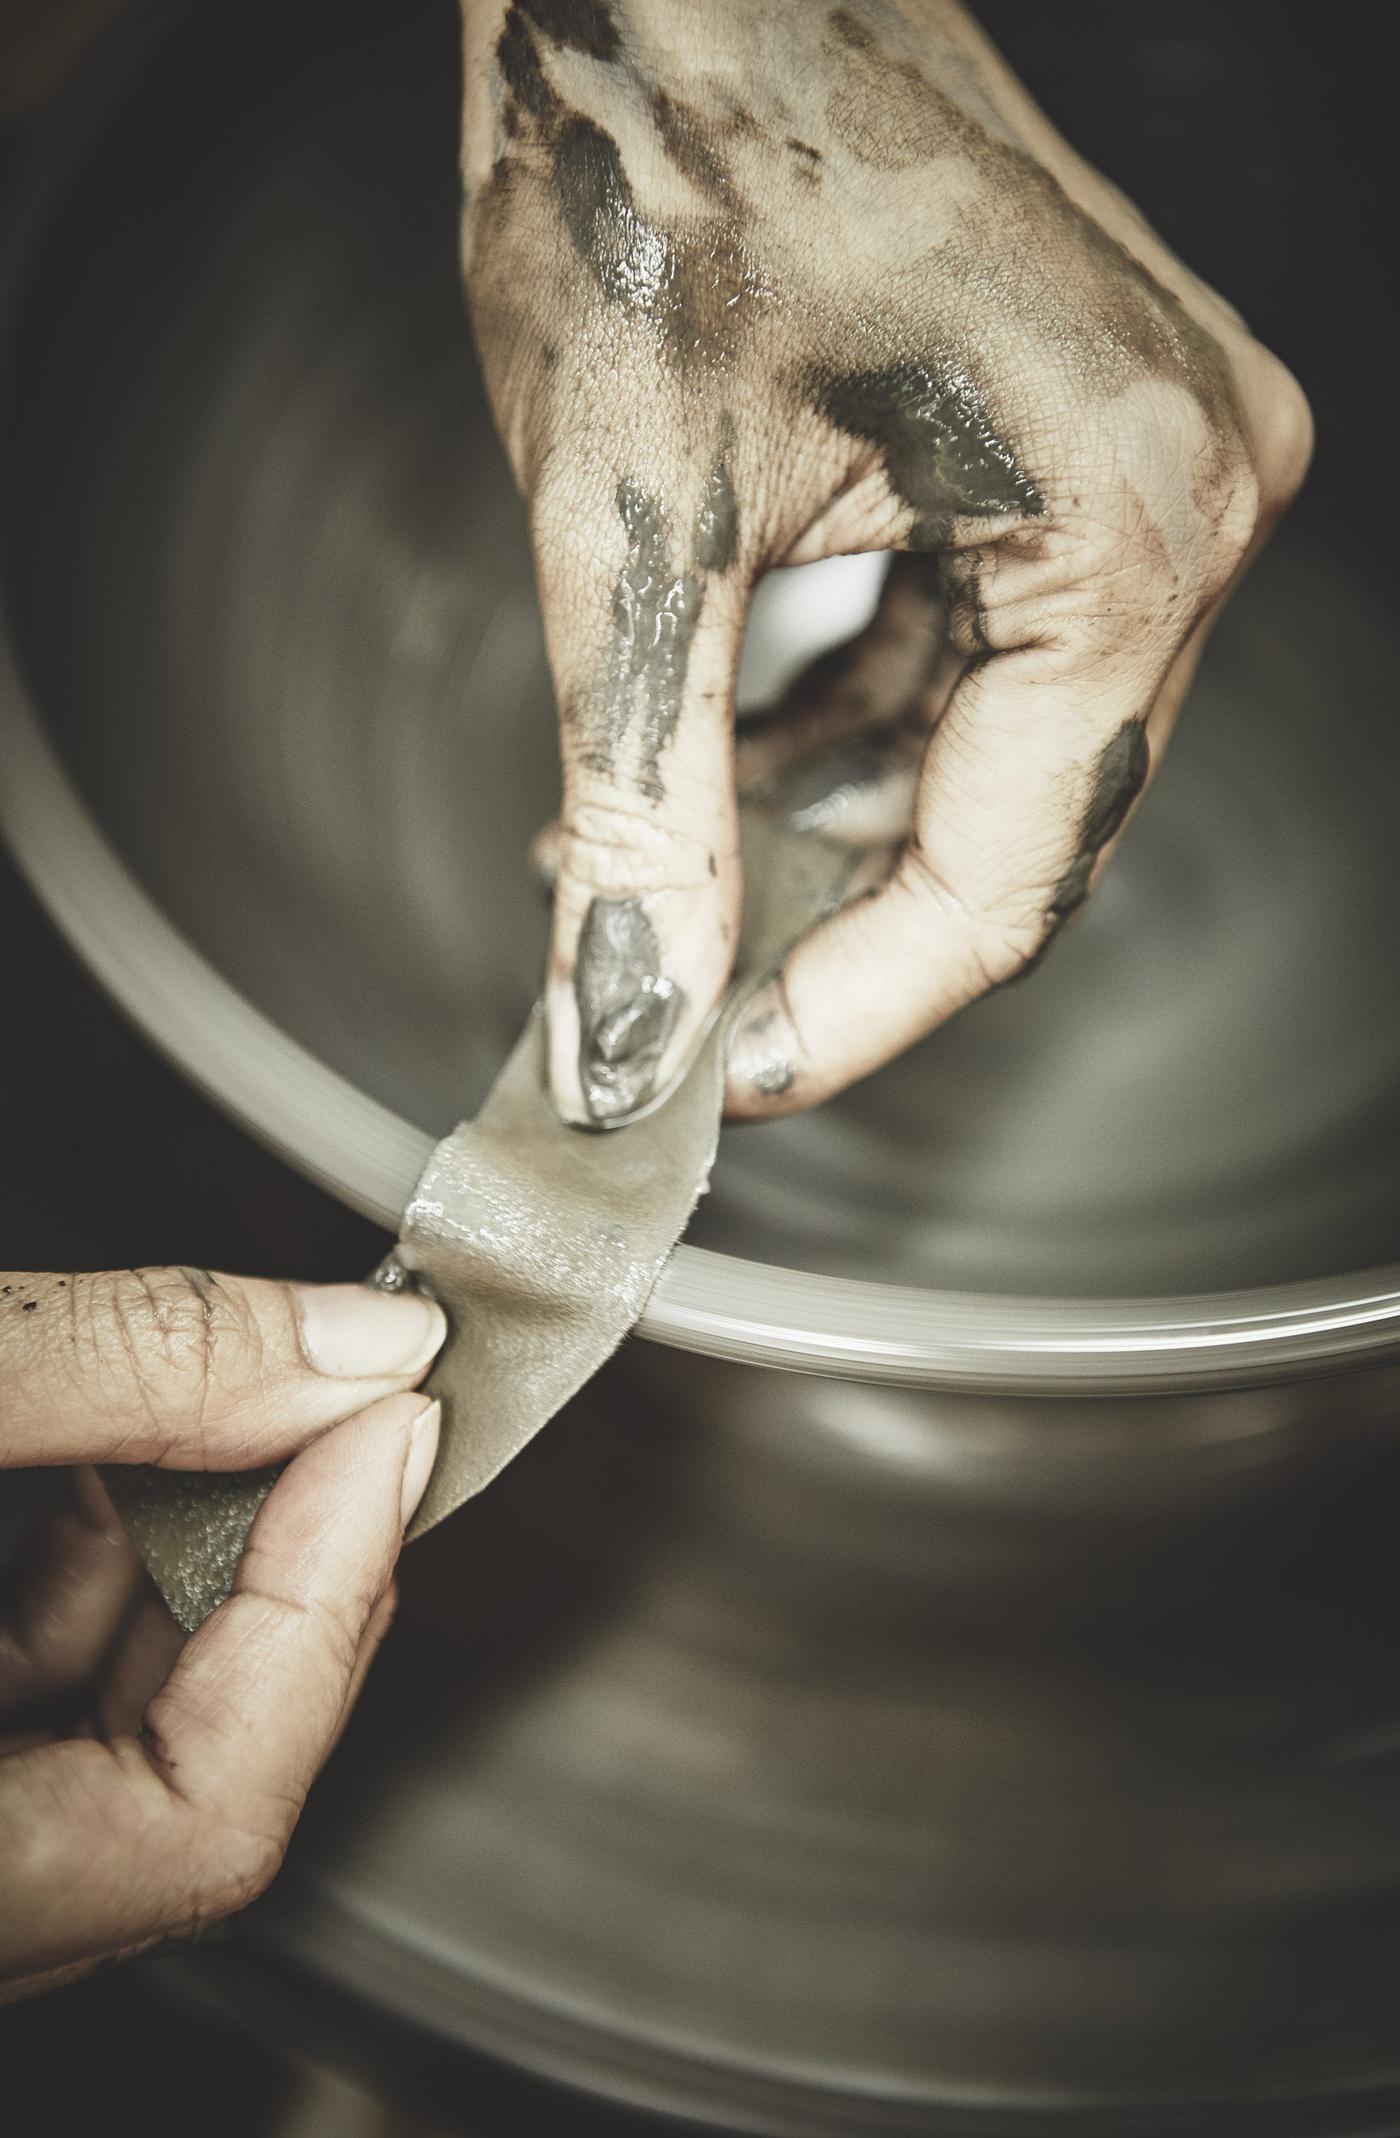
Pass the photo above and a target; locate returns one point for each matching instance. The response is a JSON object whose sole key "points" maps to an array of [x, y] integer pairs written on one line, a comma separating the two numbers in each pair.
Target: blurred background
{"points": [[1261, 143]]}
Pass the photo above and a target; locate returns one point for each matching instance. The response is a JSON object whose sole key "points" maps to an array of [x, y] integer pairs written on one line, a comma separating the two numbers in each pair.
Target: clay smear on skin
{"points": [[1119, 778], [690, 286], [627, 1008], [717, 522], [943, 456], [654, 613], [1120, 775]]}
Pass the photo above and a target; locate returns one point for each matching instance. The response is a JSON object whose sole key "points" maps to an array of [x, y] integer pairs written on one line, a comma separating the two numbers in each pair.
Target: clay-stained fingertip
{"points": [[763, 1055], [629, 1008]]}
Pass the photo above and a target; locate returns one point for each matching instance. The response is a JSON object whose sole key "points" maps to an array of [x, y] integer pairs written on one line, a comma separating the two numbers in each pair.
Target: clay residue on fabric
{"points": [[542, 1243]]}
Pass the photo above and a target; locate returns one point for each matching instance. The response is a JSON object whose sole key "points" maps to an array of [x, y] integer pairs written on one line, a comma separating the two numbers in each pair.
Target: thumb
{"points": [[644, 610], [194, 1371]]}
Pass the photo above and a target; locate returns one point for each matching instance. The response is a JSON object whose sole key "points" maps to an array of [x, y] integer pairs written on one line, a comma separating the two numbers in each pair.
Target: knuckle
{"points": [[327, 1627], [332, 1625], [1002, 945], [1284, 436], [340, 1622], [168, 1335], [608, 846], [238, 1863], [999, 935], [1232, 525]]}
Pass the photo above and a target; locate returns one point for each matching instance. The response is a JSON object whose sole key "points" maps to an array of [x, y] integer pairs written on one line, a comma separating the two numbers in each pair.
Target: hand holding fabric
{"points": [[149, 1784]]}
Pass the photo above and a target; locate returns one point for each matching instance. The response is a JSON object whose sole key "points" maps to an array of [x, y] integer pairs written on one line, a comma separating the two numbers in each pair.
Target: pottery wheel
{"points": [[801, 1757]]}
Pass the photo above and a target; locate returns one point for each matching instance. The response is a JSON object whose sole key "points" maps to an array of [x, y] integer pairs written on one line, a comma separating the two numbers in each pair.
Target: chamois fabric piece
{"points": [[543, 1243], [190, 1527]]}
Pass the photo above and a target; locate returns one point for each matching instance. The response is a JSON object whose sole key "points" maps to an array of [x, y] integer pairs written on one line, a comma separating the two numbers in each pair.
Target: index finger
{"points": [[193, 1369], [643, 579]]}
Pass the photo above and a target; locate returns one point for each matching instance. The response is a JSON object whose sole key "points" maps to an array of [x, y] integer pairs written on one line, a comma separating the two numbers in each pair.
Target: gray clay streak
{"points": [[627, 1008], [942, 455], [654, 614]]}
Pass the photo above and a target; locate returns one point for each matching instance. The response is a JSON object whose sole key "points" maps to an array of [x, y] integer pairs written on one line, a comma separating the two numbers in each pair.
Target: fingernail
{"points": [[627, 1008], [418, 1463], [354, 1333], [763, 1046]]}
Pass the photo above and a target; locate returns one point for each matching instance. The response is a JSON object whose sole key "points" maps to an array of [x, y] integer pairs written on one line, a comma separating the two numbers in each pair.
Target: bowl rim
{"points": [[853, 1328], [370, 1157]]}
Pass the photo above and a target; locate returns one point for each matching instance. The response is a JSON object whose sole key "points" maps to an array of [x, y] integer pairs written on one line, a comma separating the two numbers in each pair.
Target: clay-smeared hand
{"points": [[756, 284], [148, 1784]]}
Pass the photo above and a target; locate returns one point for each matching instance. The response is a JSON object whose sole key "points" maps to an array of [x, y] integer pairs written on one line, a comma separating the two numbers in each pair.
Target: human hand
{"points": [[759, 284], [149, 1784]]}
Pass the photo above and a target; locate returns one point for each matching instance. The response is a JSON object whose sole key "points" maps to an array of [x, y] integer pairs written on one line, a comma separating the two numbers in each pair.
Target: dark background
{"points": [[1260, 141]]}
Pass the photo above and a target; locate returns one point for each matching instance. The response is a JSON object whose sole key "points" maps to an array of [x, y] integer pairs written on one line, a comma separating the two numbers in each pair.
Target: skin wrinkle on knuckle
{"points": [[1114, 581], [117, 1361], [232, 1861], [185, 1864], [1109, 575], [334, 1625], [1005, 928], [607, 847], [247, 1827], [998, 955], [177, 1727], [148, 1781], [166, 1342], [36, 1346]]}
